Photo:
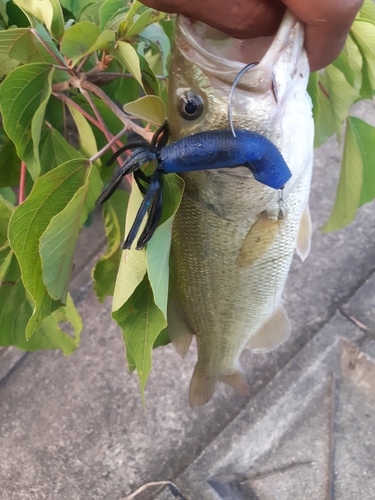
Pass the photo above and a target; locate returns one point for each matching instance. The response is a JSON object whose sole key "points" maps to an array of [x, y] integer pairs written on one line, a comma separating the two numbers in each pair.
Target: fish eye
{"points": [[190, 105]]}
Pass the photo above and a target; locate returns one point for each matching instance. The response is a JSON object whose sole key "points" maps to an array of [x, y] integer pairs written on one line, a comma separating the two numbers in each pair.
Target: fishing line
{"points": [[280, 215], [235, 83]]}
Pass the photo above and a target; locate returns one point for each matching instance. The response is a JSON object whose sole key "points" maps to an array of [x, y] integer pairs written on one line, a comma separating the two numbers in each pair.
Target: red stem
{"points": [[87, 115], [322, 88], [21, 196]]}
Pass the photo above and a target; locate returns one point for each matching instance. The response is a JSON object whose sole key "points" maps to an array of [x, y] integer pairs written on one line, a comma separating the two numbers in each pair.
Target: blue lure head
{"points": [[203, 151], [273, 176]]}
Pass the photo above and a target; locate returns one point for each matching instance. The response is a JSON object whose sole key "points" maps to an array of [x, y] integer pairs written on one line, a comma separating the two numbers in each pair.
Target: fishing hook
{"points": [[235, 83]]}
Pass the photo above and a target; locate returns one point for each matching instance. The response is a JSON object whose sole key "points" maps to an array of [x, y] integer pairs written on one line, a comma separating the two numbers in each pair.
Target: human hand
{"points": [[327, 22]]}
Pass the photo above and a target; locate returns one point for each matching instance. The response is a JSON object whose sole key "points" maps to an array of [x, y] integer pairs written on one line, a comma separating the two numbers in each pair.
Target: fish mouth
{"points": [[224, 56]]}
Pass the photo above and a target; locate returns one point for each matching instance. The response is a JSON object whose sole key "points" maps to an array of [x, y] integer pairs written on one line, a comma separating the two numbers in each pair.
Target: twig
{"points": [[99, 117], [112, 74], [103, 126], [146, 486], [21, 196], [116, 110], [46, 46], [87, 115], [82, 62], [107, 146]]}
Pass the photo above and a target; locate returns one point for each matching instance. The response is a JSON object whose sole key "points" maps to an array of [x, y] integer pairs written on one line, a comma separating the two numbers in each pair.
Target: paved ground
{"points": [[74, 428]]}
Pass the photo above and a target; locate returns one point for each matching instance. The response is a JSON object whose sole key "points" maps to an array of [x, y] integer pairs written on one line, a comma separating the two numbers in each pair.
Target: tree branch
{"points": [[116, 110]]}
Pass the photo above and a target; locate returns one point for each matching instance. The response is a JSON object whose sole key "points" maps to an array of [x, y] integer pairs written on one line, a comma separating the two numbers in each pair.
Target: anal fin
{"points": [[304, 235], [179, 332], [272, 333]]}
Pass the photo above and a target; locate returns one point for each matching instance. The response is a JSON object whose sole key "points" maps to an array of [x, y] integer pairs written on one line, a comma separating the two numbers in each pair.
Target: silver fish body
{"points": [[231, 253]]}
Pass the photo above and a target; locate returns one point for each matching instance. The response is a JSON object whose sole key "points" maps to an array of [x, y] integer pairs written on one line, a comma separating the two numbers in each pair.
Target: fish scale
{"points": [[231, 254]]}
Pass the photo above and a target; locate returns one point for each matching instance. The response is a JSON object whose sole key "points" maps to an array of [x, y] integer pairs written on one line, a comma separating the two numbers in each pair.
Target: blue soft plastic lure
{"points": [[203, 151]]}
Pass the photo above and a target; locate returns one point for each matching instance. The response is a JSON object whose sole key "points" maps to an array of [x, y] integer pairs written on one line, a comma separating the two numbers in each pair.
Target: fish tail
{"points": [[237, 381], [202, 388]]}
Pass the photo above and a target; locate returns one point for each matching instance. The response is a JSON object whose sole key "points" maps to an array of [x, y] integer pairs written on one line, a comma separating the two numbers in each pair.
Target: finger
{"points": [[327, 26], [237, 18]]}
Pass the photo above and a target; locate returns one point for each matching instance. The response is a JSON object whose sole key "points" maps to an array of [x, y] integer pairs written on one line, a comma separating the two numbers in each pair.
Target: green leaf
{"points": [[15, 16], [364, 35], [7, 194], [21, 45], [58, 242], [113, 124], [366, 91], [323, 117], [55, 115], [349, 63], [3, 12], [16, 310], [135, 7], [156, 35], [6, 210], [162, 339], [141, 322], [47, 11], [148, 17], [50, 195], [158, 248], [78, 40], [52, 331], [105, 40], [55, 150], [105, 271], [24, 95], [364, 136], [90, 11], [128, 58], [117, 19], [150, 83], [108, 10], [367, 11], [10, 164], [150, 108], [87, 142], [350, 183], [57, 24], [75, 6], [341, 96], [7, 65], [133, 262]]}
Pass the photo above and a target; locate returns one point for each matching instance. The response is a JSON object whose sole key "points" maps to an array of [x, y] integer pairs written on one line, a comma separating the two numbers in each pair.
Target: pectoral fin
{"points": [[272, 333], [304, 235], [259, 238], [178, 330]]}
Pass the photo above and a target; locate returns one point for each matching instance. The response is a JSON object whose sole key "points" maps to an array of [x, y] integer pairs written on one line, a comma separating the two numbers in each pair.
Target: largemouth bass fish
{"points": [[231, 252]]}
